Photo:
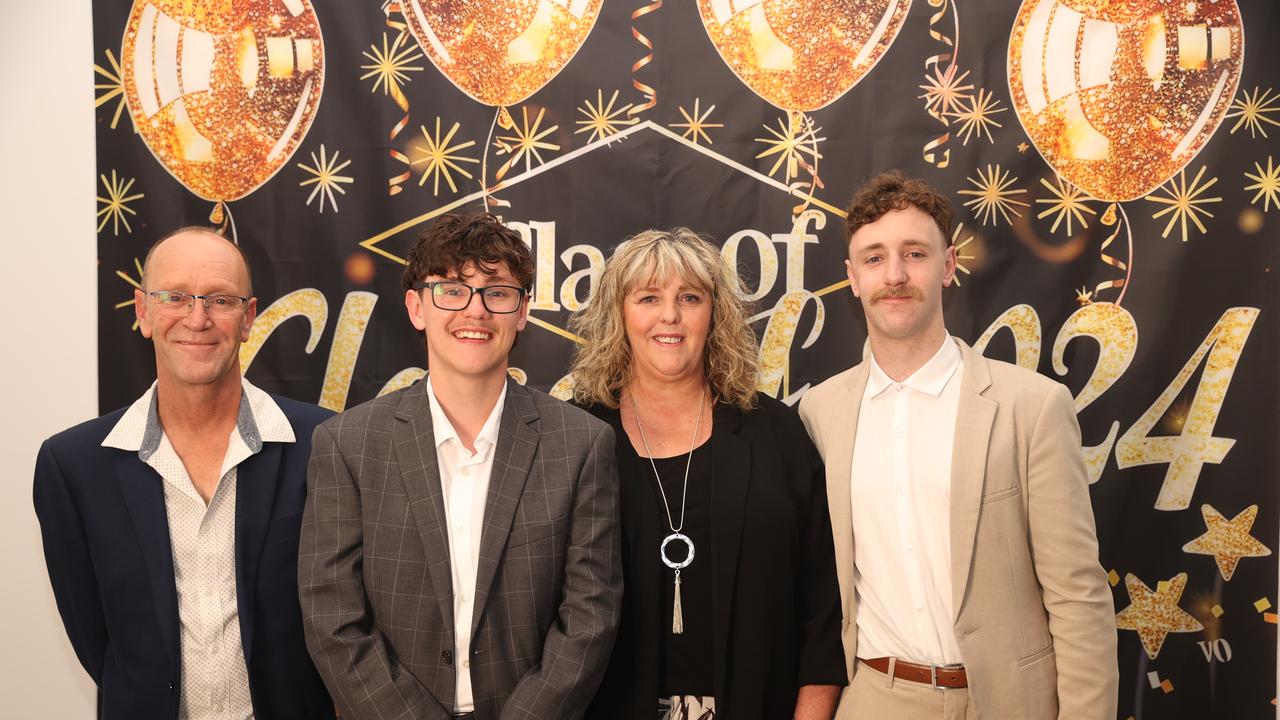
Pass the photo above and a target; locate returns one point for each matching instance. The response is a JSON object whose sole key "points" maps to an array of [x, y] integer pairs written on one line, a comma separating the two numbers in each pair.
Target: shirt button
{"points": [[908, 548], [466, 471], [466, 663], [919, 608], [902, 491]]}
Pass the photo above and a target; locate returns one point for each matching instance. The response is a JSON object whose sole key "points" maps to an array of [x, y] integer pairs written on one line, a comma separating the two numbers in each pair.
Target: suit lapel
{"points": [[513, 456], [974, 418], [415, 446], [730, 486], [144, 496], [256, 480]]}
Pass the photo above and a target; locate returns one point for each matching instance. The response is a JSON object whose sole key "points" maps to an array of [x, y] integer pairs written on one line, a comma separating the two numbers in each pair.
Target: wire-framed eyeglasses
{"points": [[453, 295], [173, 302]]}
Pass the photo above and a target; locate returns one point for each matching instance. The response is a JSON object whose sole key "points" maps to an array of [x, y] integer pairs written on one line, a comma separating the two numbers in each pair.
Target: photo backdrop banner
{"points": [[1112, 165]]}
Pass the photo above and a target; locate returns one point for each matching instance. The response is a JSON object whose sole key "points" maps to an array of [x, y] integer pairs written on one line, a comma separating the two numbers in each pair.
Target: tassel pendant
{"points": [[677, 615]]}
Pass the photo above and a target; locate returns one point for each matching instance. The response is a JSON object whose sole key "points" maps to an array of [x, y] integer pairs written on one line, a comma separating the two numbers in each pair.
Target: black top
{"points": [[687, 657], [775, 600]]}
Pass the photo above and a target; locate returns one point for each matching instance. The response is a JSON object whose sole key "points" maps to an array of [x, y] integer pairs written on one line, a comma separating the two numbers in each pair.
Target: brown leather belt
{"points": [[939, 676]]}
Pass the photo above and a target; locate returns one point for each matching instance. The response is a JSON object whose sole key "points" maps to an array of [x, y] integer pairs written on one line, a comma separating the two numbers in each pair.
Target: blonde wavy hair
{"points": [[602, 365]]}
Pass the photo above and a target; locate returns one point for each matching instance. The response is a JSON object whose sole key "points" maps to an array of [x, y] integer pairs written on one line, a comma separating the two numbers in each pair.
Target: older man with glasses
{"points": [[171, 527]]}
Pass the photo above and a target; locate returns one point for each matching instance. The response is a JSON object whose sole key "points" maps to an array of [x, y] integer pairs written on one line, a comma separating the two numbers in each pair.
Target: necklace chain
{"points": [[684, 493]]}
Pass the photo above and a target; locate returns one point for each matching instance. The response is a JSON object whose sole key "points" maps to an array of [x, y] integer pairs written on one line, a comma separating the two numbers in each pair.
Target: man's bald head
{"points": [[198, 230]]}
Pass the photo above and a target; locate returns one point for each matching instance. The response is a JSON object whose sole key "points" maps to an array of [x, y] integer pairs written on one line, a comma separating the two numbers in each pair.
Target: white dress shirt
{"points": [[901, 498], [214, 680], [464, 481]]}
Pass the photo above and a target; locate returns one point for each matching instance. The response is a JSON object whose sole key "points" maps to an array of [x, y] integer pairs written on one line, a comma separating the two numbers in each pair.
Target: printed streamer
{"points": [[1109, 218], [930, 151], [802, 127], [650, 93], [395, 183]]}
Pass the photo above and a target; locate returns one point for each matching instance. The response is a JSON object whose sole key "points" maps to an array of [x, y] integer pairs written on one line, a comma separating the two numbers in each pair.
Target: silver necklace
{"points": [[677, 615]]}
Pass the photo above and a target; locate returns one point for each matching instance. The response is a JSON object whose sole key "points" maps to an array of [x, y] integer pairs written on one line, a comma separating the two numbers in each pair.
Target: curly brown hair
{"points": [[892, 190], [454, 241]]}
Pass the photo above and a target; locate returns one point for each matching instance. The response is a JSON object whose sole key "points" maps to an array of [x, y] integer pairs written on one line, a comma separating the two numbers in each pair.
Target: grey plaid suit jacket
{"points": [[375, 579]]}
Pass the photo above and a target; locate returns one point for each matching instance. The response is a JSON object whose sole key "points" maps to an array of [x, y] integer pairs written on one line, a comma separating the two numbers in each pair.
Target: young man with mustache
{"points": [[460, 547], [964, 535]]}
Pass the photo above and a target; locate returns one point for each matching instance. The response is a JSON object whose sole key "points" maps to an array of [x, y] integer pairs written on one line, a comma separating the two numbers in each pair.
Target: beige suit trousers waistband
{"points": [[874, 695]]}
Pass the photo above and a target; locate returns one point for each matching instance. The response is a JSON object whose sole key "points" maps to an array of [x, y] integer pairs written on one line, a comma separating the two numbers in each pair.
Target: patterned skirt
{"points": [[686, 707]]}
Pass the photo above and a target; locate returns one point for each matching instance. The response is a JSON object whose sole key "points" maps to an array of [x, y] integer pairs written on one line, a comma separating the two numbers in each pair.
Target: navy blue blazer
{"points": [[106, 543]]}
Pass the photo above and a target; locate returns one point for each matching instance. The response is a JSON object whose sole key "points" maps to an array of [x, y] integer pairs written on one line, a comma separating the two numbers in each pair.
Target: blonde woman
{"points": [[731, 604]]}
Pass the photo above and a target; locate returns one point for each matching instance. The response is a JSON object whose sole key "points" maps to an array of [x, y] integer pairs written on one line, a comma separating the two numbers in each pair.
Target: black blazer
{"points": [[106, 543], [776, 600]]}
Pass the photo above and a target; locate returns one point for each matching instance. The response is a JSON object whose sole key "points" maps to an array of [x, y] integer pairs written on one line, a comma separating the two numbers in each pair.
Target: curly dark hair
{"points": [[892, 190], [453, 241]]}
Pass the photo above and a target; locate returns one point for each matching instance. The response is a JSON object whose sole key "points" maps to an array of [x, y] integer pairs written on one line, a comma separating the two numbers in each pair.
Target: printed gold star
{"points": [[993, 195], [696, 125], [976, 115], [527, 141], [1267, 183], [128, 303], [441, 158], [1155, 614], [1254, 110], [326, 180], [390, 66], [1068, 202], [960, 245], [1227, 540], [943, 90], [1022, 147], [114, 87], [1184, 202], [116, 204], [1084, 296], [602, 120], [790, 141]]}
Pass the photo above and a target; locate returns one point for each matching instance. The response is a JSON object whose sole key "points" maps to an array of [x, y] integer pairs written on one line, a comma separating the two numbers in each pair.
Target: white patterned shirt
{"points": [[900, 494], [464, 481], [214, 683]]}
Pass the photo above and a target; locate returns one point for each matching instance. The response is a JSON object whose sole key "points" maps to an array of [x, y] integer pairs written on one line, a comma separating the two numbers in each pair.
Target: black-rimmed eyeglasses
{"points": [[452, 295]]}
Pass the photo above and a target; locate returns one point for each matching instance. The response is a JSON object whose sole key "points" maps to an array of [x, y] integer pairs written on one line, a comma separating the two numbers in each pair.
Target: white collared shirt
{"points": [[900, 493], [215, 680], [464, 481]]}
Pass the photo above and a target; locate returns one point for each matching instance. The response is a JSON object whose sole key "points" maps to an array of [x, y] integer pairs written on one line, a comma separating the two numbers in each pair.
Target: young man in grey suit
{"points": [[965, 543], [460, 547]]}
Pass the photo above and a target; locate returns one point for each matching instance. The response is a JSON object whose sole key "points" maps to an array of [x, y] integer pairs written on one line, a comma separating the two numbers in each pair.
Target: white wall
{"points": [[48, 358]]}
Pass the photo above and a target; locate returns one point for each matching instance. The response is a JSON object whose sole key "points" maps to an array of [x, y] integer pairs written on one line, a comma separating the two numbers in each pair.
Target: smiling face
{"points": [[897, 267], [667, 322], [195, 348], [472, 342]]}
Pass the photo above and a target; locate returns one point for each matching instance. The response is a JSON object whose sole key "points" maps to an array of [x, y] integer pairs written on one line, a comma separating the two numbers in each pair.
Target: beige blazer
{"points": [[1034, 615]]}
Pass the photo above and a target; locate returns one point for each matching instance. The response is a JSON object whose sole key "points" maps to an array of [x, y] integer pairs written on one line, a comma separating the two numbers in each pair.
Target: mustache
{"points": [[897, 291]]}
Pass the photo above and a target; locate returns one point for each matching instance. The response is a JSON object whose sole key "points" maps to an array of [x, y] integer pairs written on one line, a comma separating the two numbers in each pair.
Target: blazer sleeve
{"points": [[71, 571], [578, 646], [1064, 546], [821, 658], [364, 678]]}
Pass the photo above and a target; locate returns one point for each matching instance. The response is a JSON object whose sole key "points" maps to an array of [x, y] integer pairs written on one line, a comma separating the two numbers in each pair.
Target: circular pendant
{"points": [[677, 537]]}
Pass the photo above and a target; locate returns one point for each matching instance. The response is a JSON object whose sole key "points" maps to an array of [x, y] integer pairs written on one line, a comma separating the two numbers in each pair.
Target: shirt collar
{"points": [[444, 431], [258, 420], [930, 379]]}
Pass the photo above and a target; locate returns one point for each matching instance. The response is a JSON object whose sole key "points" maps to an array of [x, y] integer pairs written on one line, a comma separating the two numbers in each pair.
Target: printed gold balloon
{"points": [[1118, 96], [802, 54], [223, 91], [501, 51]]}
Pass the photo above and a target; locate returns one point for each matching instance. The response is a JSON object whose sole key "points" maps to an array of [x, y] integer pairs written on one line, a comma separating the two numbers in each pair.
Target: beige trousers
{"points": [[874, 695]]}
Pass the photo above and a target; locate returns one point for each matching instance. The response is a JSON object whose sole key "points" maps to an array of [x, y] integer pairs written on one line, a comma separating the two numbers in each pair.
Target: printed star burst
{"points": [[1267, 183], [1184, 202], [1254, 110], [602, 120], [390, 65], [527, 140], [1155, 614], [993, 195], [441, 158], [116, 204], [789, 142], [1067, 203], [1084, 296], [696, 125], [976, 115], [1227, 540], [944, 90], [960, 245], [114, 87], [326, 180], [135, 283]]}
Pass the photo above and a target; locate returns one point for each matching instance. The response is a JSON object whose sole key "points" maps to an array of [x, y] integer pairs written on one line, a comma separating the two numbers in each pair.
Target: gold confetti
{"points": [[1262, 604], [1113, 577], [1217, 611]]}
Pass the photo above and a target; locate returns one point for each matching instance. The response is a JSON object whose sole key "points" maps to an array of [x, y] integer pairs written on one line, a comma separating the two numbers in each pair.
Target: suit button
{"points": [[447, 657], [170, 687]]}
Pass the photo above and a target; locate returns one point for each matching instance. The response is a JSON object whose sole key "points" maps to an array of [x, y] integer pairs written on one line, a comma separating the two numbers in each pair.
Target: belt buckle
{"points": [[933, 672]]}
